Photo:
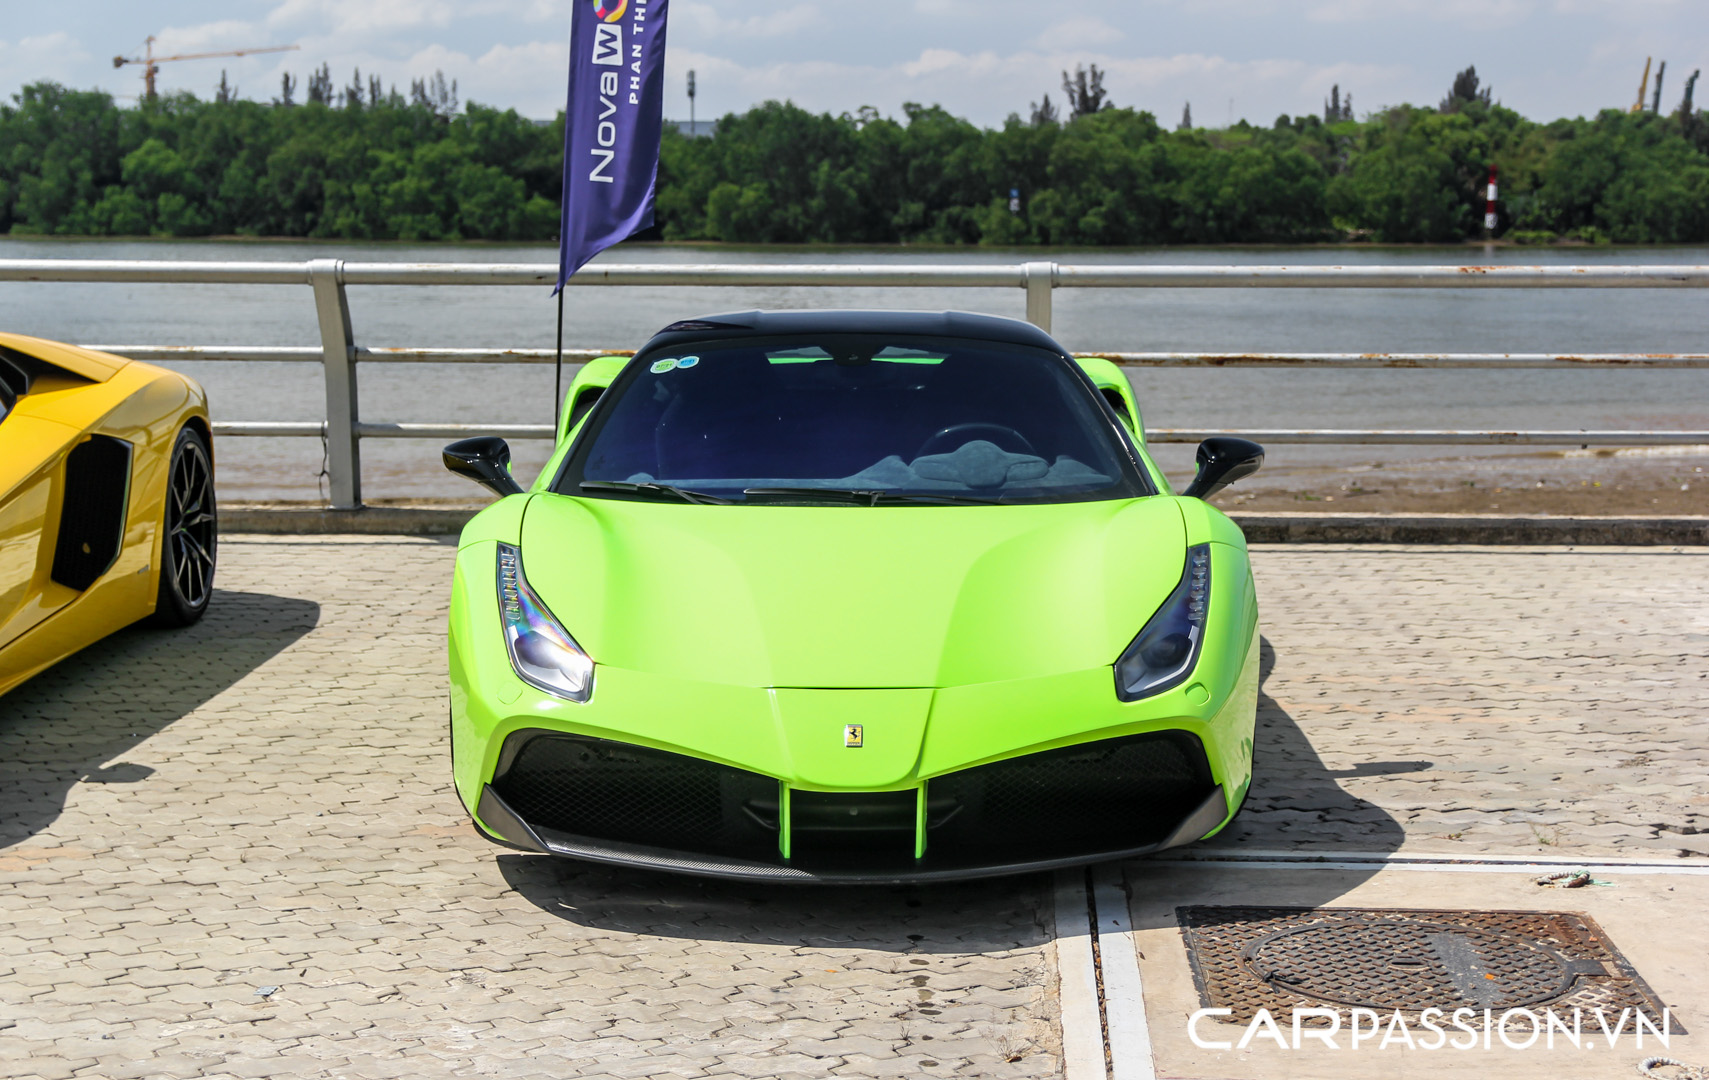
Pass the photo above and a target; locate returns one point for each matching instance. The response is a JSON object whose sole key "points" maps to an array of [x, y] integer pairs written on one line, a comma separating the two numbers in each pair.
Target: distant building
{"points": [[695, 129]]}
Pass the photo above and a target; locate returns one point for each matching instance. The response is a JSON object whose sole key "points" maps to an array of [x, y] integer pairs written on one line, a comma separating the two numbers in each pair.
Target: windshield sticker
{"points": [[661, 366], [688, 361]]}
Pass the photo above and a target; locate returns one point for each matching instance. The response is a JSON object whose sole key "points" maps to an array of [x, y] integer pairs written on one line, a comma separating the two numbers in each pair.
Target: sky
{"points": [[982, 59]]}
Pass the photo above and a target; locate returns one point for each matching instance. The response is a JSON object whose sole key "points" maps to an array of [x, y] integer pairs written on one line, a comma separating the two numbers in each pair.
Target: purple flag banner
{"points": [[611, 125]]}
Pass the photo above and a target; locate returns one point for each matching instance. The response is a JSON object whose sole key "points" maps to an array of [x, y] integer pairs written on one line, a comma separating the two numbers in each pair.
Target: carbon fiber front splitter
{"points": [[505, 825]]}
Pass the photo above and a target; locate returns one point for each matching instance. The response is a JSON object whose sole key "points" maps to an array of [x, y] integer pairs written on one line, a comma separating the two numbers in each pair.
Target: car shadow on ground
{"points": [[1295, 804], [959, 917], [74, 722]]}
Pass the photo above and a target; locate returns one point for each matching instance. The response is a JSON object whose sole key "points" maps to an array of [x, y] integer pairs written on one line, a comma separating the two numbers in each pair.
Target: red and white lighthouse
{"points": [[1489, 203]]}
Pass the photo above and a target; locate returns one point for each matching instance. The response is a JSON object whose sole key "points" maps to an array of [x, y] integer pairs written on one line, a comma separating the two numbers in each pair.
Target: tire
{"points": [[189, 534]]}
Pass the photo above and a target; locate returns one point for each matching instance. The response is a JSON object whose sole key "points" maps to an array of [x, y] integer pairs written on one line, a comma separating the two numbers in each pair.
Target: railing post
{"points": [[1040, 279], [338, 359]]}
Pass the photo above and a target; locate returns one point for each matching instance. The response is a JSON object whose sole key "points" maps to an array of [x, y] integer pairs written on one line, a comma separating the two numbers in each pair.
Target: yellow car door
{"points": [[32, 456]]}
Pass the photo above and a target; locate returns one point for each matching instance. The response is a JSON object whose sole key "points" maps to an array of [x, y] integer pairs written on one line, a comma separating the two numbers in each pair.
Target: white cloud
{"points": [[529, 77], [1625, 8], [951, 8], [1476, 15], [56, 56], [533, 77], [57, 44], [209, 37], [709, 22], [969, 83], [1079, 32], [361, 16], [533, 11]]}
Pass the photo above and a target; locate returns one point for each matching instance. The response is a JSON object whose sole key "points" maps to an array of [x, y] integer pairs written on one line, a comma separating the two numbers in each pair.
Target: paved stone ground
{"points": [[263, 801], [1516, 700]]}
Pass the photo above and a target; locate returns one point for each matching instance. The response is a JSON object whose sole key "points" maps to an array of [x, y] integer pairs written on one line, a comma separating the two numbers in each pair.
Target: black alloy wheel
{"points": [[189, 535]]}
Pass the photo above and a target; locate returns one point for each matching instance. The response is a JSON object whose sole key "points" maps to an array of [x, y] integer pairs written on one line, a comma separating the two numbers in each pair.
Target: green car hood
{"points": [[852, 597]]}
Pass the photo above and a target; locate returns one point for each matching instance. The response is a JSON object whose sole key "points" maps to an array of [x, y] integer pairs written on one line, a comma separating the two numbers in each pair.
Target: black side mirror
{"points": [[485, 459], [1223, 459]]}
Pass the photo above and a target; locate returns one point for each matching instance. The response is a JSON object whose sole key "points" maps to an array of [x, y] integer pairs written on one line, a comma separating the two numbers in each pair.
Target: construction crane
{"points": [[1643, 86], [151, 63]]}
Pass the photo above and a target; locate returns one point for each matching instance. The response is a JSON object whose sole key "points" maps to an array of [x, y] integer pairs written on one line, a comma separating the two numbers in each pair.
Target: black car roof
{"points": [[952, 324]]}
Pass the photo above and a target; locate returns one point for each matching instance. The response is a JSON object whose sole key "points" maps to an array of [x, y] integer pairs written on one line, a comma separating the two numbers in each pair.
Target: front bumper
{"points": [[629, 805], [967, 780]]}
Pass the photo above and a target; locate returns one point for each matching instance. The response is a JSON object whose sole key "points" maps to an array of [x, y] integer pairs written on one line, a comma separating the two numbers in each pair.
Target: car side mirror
{"points": [[1223, 459], [485, 459]]}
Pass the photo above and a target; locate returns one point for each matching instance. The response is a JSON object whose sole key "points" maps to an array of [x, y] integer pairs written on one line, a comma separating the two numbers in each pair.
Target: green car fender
{"points": [[1113, 384], [585, 389], [594, 378], [1111, 380], [474, 593], [1234, 589]]}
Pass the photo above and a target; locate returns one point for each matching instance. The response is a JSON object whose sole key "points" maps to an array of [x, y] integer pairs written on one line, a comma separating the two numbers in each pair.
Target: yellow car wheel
{"points": [[189, 534]]}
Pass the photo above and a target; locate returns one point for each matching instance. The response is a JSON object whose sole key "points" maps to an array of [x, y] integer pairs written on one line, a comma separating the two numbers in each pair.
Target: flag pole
{"points": [[558, 374]]}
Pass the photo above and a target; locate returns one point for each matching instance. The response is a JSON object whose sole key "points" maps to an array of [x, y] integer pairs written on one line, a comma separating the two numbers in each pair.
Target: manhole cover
{"points": [[1250, 958]]}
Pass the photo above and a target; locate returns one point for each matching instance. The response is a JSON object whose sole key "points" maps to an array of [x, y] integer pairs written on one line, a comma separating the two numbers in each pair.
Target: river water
{"points": [[1292, 320]]}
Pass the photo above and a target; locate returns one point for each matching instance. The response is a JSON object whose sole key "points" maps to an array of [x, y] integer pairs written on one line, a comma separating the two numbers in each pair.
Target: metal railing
{"points": [[340, 356]]}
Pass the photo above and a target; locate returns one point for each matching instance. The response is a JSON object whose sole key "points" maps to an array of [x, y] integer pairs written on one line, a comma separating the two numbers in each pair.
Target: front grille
{"points": [[1079, 801], [830, 824], [632, 794], [1101, 796]]}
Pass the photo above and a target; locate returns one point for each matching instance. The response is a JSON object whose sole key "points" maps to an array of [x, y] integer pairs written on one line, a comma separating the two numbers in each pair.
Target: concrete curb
{"points": [[1260, 528], [1277, 528], [373, 520]]}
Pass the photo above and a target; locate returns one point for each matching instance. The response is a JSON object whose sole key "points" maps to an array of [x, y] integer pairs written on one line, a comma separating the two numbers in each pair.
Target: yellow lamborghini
{"points": [[106, 500]]}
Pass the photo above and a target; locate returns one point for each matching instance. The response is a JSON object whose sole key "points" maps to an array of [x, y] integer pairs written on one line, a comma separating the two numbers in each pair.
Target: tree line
{"points": [[359, 163], [377, 166]]}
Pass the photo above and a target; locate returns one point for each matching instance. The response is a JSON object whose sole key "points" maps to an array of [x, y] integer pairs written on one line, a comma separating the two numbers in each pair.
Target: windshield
{"points": [[852, 419]]}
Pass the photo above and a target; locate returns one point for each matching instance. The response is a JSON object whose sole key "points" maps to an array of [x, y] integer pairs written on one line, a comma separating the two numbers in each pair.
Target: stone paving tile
{"points": [[264, 800]]}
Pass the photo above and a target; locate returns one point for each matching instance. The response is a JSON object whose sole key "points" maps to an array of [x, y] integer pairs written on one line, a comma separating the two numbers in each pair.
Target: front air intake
{"points": [[1109, 795], [631, 794]]}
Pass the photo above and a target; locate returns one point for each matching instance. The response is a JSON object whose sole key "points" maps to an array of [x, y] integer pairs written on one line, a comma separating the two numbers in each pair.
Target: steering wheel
{"points": [[963, 434]]}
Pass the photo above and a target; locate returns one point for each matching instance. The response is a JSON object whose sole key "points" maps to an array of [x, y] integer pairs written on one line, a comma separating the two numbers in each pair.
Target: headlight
{"points": [[1163, 654], [542, 652]]}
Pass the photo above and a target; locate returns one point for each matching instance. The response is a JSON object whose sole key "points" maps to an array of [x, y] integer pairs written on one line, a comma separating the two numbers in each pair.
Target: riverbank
{"points": [[790, 251], [1666, 481]]}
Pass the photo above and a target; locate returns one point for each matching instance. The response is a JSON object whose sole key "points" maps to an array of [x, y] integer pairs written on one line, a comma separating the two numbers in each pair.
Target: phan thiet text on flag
{"points": [[611, 125]]}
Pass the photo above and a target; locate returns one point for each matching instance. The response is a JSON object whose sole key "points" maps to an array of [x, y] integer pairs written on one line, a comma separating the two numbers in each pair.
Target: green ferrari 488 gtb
{"points": [[852, 596]]}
